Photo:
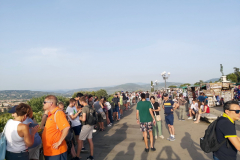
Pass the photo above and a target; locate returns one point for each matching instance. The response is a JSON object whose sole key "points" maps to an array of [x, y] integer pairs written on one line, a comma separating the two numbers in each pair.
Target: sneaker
{"points": [[179, 119], [183, 119], [169, 138], [146, 149], [90, 158], [172, 139], [94, 130], [161, 136], [195, 119], [155, 137], [153, 149], [109, 125], [189, 117], [83, 150]]}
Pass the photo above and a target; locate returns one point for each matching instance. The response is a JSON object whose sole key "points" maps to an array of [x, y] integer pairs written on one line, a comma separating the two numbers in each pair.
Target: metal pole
{"points": [[165, 84]]}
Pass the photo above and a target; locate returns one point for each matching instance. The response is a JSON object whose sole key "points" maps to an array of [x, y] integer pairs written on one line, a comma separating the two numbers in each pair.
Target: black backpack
{"points": [[209, 142], [91, 117]]}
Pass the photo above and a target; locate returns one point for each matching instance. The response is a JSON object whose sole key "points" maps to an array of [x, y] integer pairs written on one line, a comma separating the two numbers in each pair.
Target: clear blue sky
{"points": [[49, 45]]}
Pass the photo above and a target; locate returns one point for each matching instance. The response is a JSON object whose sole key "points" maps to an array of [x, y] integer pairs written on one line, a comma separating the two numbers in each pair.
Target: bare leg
{"points": [[173, 130], [91, 146], [145, 139], [198, 118], [151, 138], [73, 152], [170, 129], [190, 113], [80, 142]]}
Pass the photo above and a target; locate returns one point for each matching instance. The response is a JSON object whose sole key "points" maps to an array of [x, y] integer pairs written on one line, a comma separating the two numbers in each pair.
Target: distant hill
{"points": [[125, 87], [213, 80], [22, 94], [27, 94]]}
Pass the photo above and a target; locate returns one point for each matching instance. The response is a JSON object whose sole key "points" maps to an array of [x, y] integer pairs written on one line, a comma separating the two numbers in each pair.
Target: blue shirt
{"points": [[168, 105], [37, 138], [201, 98]]}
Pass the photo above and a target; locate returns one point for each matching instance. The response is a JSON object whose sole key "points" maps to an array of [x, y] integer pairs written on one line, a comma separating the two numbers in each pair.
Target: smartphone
{"points": [[31, 125]]}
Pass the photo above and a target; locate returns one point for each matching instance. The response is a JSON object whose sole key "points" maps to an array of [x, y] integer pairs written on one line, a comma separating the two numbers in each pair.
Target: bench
{"points": [[209, 117]]}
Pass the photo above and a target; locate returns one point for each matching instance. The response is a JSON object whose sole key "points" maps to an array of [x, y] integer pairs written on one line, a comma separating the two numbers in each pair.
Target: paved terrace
{"points": [[123, 141]]}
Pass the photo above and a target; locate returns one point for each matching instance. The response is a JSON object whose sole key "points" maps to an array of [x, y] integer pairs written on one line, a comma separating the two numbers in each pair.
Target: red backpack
{"points": [[208, 109]]}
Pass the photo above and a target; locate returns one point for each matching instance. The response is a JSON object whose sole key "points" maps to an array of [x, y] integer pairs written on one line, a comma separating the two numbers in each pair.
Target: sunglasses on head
{"points": [[236, 111]]}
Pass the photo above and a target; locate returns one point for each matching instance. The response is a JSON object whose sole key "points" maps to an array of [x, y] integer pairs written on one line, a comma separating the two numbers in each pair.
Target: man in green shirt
{"points": [[147, 120]]}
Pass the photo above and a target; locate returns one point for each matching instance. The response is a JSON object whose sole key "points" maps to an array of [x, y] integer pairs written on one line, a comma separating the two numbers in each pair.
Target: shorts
{"points": [[86, 132], [116, 109], [20, 156], [62, 156], [100, 118], [34, 152], [169, 119], [124, 101], [77, 129], [146, 126]]}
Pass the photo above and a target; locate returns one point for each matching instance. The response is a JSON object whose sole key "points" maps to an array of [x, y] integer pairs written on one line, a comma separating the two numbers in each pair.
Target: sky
{"points": [[60, 44]]}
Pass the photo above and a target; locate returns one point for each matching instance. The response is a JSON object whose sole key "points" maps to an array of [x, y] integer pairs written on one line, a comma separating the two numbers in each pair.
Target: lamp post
{"points": [[165, 76]]}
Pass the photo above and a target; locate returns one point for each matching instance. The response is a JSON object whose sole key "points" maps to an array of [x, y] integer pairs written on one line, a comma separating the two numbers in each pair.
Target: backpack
{"points": [[69, 136], [91, 118], [209, 142], [3, 144]]}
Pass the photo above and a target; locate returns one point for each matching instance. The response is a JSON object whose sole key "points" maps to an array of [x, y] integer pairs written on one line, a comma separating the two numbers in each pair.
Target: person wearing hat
{"points": [[169, 106], [20, 141]]}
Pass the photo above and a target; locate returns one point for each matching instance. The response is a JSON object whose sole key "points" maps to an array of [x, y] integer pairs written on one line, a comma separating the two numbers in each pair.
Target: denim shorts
{"points": [[116, 109], [169, 119], [77, 129]]}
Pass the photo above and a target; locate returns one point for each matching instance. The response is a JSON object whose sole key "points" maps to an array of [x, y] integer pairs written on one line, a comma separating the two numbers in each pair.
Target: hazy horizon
{"points": [[55, 45]]}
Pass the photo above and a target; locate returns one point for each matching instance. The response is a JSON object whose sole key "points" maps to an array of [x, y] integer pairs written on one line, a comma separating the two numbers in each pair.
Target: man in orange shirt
{"points": [[55, 131]]}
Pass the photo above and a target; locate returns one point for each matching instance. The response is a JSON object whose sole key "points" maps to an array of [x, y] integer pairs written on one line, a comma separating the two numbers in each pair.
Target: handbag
{"points": [[3, 144], [158, 117]]}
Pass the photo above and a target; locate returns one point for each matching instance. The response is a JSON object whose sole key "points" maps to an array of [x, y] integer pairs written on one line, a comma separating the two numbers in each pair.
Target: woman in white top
{"points": [[18, 136]]}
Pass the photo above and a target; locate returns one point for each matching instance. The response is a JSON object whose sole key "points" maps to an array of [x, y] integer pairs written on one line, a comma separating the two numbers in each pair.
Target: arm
{"points": [[159, 109], [151, 112], [137, 116], [44, 119], [27, 136], [235, 142], [63, 136], [83, 117], [75, 116]]}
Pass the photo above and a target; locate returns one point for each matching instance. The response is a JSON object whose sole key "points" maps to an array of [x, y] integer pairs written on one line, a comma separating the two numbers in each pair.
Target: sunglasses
{"points": [[46, 102], [236, 111]]}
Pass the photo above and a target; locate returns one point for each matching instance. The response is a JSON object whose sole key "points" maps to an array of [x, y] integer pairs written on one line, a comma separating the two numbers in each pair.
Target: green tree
{"points": [[210, 81], [84, 92], [237, 73], [185, 84], [197, 83], [152, 86], [37, 103], [172, 86], [232, 77], [101, 93]]}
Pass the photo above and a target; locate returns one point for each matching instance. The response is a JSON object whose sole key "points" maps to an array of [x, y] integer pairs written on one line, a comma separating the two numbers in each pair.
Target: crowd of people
{"points": [[226, 143], [64, 130]]}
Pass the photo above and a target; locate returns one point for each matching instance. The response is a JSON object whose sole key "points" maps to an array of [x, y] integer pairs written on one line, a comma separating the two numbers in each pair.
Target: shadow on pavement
{"points": [[171, 155], [192, 147], [104, 144], [128, 155]]}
